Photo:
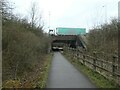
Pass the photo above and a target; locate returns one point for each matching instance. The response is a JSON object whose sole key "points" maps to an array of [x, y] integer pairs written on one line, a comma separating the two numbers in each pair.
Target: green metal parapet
{"points": [[70, 31]]}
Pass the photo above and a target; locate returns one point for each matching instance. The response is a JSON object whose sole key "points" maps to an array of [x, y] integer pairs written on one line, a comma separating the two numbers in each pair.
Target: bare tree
{"points": [[33, 14], [6, 9], [36, 17]]}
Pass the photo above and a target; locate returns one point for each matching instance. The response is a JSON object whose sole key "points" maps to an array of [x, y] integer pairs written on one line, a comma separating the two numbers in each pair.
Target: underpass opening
{"points": [[57, 46]]}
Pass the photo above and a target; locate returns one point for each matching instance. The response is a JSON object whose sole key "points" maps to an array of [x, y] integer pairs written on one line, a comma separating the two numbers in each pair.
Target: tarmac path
{"points": [[63, 74]]}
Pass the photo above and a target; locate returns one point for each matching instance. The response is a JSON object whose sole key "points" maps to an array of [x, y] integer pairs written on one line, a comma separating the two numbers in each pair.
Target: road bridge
{"points": [[74, 41]]}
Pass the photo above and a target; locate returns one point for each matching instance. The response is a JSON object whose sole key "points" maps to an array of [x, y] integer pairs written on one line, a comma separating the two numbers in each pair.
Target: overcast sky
{"points": [[70, 13]]}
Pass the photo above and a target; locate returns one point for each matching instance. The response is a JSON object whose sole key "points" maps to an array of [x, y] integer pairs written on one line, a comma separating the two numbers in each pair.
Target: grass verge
{"points": [[42, 82], [38, 79], [35, 79], [99, 80]]}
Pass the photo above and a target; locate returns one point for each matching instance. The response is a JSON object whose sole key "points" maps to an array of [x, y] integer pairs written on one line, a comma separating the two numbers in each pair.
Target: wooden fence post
{"points": [[83, 59], [72, 53], [94, 61], [114, 68], [77, 54], [113, 65]]}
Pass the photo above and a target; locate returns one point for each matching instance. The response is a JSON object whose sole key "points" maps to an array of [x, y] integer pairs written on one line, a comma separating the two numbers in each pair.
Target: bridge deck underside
{"points": [[69, 40]]}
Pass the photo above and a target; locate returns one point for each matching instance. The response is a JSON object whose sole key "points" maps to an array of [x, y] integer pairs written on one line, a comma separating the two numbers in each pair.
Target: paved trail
{"points": [[64, 75]]}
